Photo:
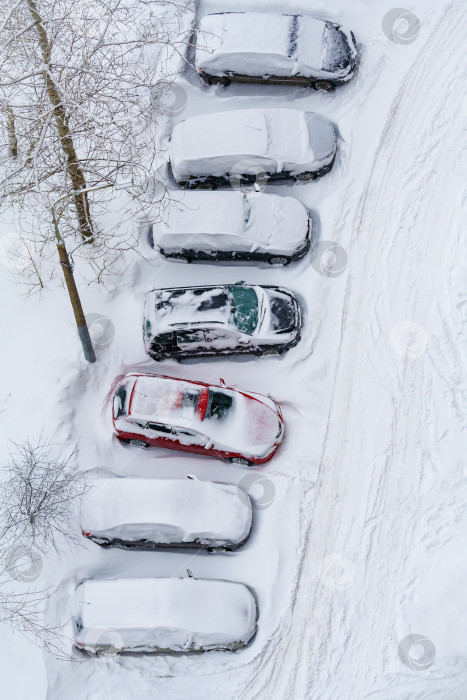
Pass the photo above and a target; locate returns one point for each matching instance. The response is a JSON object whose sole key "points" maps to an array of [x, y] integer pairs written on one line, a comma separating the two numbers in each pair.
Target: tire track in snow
{"points": [[315, 663]]}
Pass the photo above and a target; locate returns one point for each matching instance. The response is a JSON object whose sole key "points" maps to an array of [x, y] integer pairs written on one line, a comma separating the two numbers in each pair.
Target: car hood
{"points": [[339, 57], [277, 221], [261, 427], [280, 314], [322, 137]]}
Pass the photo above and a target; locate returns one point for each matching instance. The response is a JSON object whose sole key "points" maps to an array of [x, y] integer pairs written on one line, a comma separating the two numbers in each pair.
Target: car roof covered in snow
{"points": [[204, 212], [244, 32], [166, 510], [255, 215], [239, 133], [182, 307], [268, 34], [168, 613], [154, 397]]}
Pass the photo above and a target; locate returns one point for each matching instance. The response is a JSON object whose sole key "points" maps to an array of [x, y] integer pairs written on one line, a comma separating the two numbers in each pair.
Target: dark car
{"points": [[279, 49], [241, 146], [233, 226], [222, 320], [162, 615]]}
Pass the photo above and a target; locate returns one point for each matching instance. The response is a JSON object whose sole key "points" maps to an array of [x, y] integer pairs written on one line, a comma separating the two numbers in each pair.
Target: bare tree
{"points": [[39, 504], [77, 103], [40, 497], [24, 613]]}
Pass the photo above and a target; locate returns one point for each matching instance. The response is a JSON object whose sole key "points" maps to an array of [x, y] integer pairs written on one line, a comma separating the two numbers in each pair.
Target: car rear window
{"points": [[219, 404], [119, 401], [244, 308]]}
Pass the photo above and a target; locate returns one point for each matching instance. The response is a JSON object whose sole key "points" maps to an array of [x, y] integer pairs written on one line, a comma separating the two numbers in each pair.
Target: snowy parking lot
{"points": [[356, 557]]}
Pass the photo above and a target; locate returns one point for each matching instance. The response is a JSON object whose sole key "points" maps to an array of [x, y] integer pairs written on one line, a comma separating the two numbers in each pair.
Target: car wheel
{"points": [[207, 184], [278, 260], [240, 460], [304, 177], [138, 443], [324, 85]]}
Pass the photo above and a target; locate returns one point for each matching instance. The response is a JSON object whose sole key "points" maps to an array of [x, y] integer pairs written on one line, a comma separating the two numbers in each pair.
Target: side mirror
{"points": [[244, 339]]}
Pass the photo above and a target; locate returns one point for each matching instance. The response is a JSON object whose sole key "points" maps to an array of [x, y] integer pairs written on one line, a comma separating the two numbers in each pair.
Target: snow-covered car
{"points": [[161, 615], [239, 147], [234, 226], [257, 47], [222, 320], [157, 513], [215, 421]]}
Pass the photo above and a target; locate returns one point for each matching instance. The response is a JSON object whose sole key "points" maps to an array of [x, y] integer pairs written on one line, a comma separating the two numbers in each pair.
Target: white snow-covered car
{"points": [[157, 513], [239, 147], [222, 320], [258, 47], [234, 226], [162, 615]]}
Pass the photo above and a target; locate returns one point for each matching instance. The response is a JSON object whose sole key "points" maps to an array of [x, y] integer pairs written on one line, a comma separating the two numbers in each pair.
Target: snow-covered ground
{"points": [[359, 526]]}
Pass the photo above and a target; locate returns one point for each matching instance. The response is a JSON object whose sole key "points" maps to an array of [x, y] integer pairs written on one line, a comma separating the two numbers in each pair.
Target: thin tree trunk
{"points": [[11, 131], [73, 166]]}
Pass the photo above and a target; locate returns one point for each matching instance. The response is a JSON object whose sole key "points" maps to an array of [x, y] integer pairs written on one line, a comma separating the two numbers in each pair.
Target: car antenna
{"points": [[190, 575]]}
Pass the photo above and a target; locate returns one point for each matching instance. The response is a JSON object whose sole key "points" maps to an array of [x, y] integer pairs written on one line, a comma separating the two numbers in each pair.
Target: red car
{"points": [[195, 417]]}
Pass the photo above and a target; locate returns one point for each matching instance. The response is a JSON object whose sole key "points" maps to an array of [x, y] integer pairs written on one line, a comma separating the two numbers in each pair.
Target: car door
{"points": [[159, 433], [189, 437], [221, 339], [190, 342]]}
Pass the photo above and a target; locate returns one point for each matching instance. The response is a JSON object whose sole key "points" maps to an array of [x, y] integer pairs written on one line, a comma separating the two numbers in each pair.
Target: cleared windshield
{"points": [[219, 405], [244, 312]]}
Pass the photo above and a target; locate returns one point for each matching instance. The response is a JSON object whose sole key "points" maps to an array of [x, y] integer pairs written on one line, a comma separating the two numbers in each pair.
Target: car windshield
{"points": [[244, 308], [219, 404]]}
